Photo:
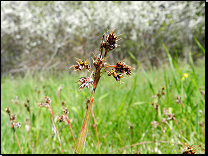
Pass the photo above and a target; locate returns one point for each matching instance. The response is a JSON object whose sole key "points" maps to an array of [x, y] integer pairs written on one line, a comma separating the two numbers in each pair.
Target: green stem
{"points": [[96, 131], [67, 118], [83, 133], [56, 130], [17, 140]]}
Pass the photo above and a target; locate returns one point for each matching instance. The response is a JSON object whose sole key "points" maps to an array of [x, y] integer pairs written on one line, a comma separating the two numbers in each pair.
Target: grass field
{"points": [[124, 112]]}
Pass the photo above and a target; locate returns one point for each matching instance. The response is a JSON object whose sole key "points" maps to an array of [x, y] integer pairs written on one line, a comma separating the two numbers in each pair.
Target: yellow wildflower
{"points": [[185, 75], [183, 78]]}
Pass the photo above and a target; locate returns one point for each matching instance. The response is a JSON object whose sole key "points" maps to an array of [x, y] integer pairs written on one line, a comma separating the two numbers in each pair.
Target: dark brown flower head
{"points": [[121, 67], [131, 126], [28, 109], [116, 75], [163, 93], [65, 110], [156, 106], [61, 118], [109, 73], [98, 62], [189, 150], [81, 65], [8, 110], [46, 104], [171, 116], [86, 81], [110, 42], [82, 80], [63, 103], [13, 117], [27, 106], [87, 65], [77, 67], [48, 100]]}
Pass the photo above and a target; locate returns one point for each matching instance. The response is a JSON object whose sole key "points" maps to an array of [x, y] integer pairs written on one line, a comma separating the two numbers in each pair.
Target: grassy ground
{"points": [[123, 112]]}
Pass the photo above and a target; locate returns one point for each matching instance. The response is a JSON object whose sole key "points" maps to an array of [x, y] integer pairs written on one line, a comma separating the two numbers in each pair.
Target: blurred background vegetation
{"points": [[44, 36]]}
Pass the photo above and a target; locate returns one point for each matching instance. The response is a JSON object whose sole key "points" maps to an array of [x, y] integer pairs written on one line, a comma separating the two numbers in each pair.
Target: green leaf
{"points": [[140, 103], [200, 46], [149, 82], [134, 58], [103, 96]]}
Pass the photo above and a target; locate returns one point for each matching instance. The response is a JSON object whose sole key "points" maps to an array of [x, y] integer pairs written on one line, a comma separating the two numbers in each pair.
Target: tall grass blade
{"points": [[122, 104], [134, 58], [198, 91], [149, 82], [172, 62], [200, 46]]}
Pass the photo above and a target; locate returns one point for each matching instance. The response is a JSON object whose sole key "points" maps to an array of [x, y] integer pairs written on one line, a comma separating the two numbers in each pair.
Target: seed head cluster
{"points": [[116, 75], [13, 119], [81, 65], [61, 118], [85, 81], [46, 104], [188, 150], [122, 68], [27, 105], [98, 62], [108, 42]]}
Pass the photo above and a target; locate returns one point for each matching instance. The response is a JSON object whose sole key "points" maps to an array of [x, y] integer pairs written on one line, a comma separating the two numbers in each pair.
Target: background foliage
{"points": [[40, 36], [123, 112]]}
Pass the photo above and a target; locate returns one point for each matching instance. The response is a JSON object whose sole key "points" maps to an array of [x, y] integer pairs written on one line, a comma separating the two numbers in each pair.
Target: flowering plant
{"points": [[100, 66]]}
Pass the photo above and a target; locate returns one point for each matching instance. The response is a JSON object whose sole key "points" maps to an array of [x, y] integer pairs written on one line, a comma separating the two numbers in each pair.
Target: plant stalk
{"points": [[82, 136], [17, 140]]}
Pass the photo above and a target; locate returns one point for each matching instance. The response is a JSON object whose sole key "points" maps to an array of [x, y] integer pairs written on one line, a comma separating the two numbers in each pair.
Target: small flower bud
{"points": [[8, 110]]}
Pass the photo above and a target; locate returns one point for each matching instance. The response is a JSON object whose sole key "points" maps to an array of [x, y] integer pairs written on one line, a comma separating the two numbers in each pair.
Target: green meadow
{"points": [[124, 112]]}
